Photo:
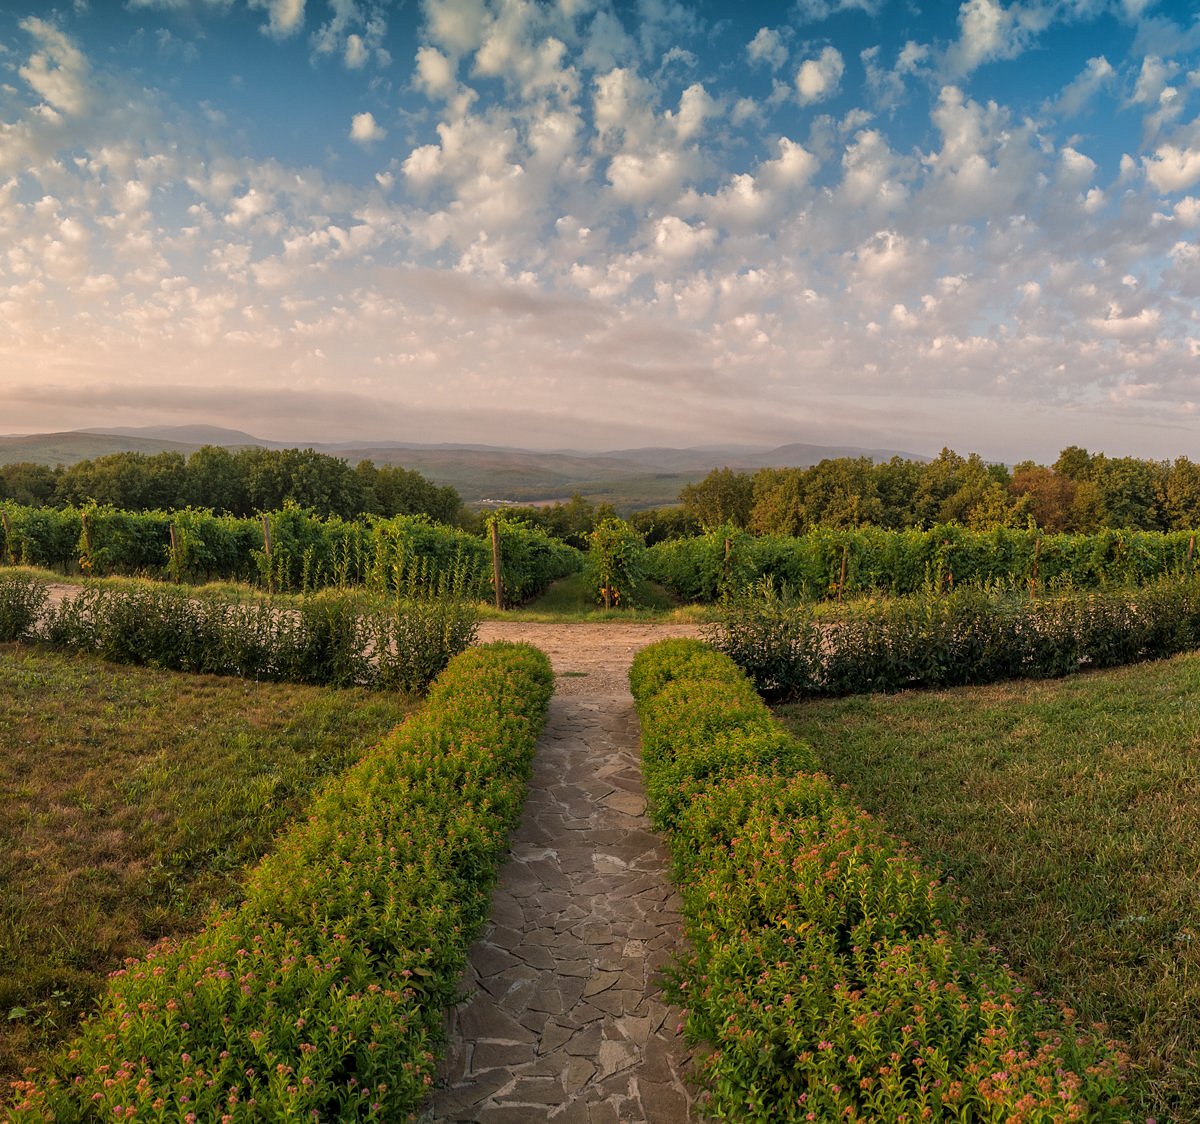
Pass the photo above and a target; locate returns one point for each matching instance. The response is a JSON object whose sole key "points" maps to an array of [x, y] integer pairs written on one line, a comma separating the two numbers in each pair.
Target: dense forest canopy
{"points": [[1081, 492], [234, 483]]}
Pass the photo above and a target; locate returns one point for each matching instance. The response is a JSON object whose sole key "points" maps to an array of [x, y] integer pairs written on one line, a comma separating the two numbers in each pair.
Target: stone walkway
{"points": [[565, 1020]]}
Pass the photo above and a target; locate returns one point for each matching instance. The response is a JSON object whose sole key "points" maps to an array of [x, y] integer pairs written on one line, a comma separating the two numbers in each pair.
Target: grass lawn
{"points": [[130, 802], [573, 599], [1069, 814]]}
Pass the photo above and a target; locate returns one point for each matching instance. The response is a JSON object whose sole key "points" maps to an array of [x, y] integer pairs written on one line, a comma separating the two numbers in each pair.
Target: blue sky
{"points": [[585, 224]]}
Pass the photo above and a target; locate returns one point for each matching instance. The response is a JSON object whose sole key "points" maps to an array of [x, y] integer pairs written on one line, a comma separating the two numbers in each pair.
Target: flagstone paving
{"points": [[565, 1019]]}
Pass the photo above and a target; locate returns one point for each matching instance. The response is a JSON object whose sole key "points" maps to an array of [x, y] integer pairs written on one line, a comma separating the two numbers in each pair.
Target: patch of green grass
{"points": [[573, 599], [1068, 812], [130, 802]]}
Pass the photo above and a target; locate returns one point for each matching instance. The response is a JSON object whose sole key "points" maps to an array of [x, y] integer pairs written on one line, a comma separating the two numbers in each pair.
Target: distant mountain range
{"points": [[627, 478]]}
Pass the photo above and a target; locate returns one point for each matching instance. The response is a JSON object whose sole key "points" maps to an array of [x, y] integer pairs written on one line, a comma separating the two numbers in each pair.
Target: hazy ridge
{"points": [[627, 478]]}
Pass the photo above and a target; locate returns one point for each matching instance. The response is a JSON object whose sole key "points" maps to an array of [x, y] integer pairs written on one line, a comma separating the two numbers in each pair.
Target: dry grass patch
{"points": [[1069, 814], [130, 802]]}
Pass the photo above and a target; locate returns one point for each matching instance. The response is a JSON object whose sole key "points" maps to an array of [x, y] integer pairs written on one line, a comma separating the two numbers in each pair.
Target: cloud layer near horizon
{"points": [[571, 224]]}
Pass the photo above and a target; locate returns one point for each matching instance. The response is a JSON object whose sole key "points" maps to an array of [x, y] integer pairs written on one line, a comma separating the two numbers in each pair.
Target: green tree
{"points": [[1128, 491], [841, 492], [1180, 498], [216, 479], [130, 481], [32, 485], [897, 482], [1074, 463], [658, 524], [723, 496], [1044, 495]]}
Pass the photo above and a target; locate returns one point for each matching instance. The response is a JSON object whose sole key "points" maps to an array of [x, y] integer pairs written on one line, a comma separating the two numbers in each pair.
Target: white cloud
{"points": [[817, 79], [354, 33], [989, 31], [675, 239], [284, 17], [456, 25], [365, 129], [794, 166], [58, 71], [816, 10], [1096, 76], [1119, 326], [768, 47], [695, 108], [435, 73], [1152, 79], [1173, 168]]}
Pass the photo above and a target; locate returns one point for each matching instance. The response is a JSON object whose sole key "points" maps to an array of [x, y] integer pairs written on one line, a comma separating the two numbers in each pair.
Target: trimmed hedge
{"points": [[967, 637], [322, 995], [332, 638], [831, 975]]}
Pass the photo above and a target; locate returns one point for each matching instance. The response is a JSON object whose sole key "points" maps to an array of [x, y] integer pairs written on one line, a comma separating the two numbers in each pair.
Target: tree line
{"points": [[227, 482], [1081, 492]]}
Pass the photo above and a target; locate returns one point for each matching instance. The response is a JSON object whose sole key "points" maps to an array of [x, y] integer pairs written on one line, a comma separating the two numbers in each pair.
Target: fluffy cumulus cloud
{"points": [[284, 17], [817, 79], [365, 129], [767, 47], [579, 222]]}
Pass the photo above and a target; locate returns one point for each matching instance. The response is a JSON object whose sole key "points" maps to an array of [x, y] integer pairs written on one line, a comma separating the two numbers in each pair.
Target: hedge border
{"points": [[322, 995], [831, 977]]}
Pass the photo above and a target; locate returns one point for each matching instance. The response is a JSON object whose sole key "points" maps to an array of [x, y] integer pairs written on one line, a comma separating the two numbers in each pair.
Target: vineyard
{"points": [[826, 564], [287, 550]]}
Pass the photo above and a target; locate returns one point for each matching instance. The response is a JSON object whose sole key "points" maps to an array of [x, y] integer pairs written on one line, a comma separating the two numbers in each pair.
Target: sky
{"points": [[594, 224]]}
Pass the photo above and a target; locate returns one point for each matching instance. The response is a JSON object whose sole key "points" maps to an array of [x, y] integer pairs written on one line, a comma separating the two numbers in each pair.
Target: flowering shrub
{"points": [[322, 995], [831, 976]]}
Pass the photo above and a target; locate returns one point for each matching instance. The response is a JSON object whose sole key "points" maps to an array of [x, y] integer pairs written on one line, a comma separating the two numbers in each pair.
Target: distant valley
{"points": [[629, 479]]}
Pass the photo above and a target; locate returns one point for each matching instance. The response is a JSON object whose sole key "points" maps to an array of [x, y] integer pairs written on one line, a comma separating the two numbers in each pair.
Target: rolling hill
{"points": [[628, 478]]}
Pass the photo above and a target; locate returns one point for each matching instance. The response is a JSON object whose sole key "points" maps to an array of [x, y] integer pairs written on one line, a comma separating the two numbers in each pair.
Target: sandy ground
{"points": [[588, 659]]}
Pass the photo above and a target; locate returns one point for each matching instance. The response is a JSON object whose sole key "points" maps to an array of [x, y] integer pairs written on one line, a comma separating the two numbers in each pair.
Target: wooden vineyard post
{"points": [[497, 579], [266, 524], [174, 552], [1191, 543], [1037, 551], [85, 563], [8, 550], [842, 579]]}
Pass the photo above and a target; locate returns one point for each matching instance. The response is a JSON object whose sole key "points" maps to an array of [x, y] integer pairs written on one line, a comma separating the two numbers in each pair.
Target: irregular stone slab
{"points": [[568, 1005]]}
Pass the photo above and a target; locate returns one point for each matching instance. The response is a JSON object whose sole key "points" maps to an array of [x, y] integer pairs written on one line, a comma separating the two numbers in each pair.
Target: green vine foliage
{"points": [[616, 562]]}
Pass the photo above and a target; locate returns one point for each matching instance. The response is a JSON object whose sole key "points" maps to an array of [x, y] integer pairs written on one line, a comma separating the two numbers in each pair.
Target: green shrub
{"points": [[333, 638], [322, 996], [22, 603], [830, 975], [970, 636]]}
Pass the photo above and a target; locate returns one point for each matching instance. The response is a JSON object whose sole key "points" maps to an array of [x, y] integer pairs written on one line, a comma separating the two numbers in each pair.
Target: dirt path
{"points": [[565, 1021]]}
